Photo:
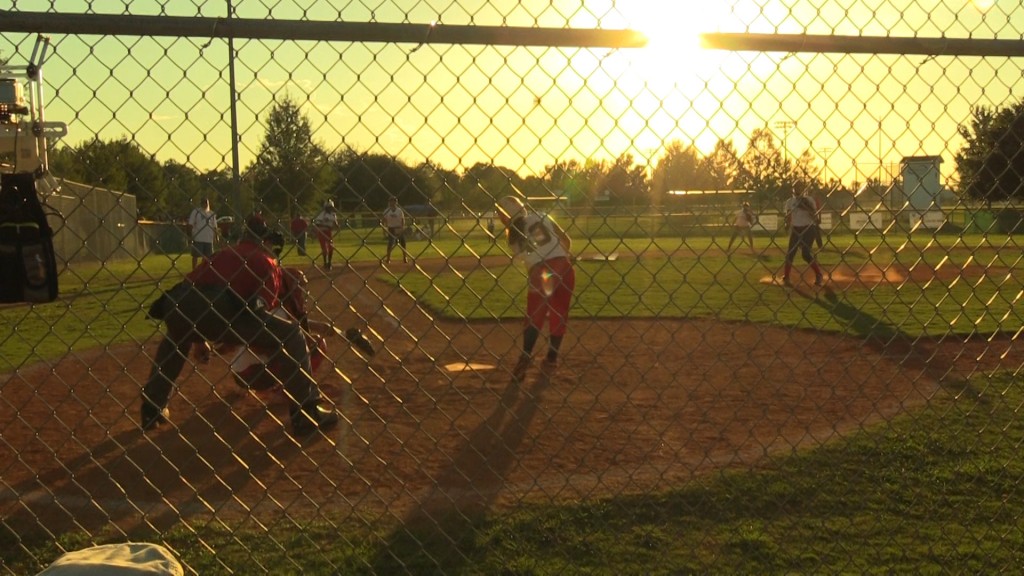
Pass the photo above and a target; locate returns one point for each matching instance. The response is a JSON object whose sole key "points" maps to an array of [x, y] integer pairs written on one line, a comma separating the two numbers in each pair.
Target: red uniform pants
{"points": [[552, 283]]}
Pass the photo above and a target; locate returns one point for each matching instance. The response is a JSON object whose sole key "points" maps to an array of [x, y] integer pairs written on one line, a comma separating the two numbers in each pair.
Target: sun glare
{"points": [[673, 28]]}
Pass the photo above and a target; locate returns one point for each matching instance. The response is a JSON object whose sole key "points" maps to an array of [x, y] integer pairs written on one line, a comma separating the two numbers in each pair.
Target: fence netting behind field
{"points": [[791, 236]]}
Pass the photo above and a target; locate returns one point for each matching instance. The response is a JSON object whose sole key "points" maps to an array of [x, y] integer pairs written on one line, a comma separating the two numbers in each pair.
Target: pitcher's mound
{"points": [[867, 275]]}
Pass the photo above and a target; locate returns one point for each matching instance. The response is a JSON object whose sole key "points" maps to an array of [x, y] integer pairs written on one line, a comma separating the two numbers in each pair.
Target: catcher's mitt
{"points": [[356, 338]]}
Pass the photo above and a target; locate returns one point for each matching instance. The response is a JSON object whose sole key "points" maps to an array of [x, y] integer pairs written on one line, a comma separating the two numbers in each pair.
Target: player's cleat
{"points": [[548, 366], [152, 417], [818, 280], [201, 352], [310, 419], [522, 365], [786, 282]]}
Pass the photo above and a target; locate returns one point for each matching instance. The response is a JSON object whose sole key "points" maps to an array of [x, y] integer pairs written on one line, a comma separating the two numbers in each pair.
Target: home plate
{"points": [[464, 366]]}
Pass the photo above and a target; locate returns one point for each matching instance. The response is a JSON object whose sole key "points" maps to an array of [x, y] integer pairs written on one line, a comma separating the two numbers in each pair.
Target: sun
{"points": [[673, 29]]}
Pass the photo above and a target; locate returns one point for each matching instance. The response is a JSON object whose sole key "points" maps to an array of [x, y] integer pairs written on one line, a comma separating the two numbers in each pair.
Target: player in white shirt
{"points": [[203, 224], [325, 223], [742, 225], [545, 248], [802, 220], [394, 223]]}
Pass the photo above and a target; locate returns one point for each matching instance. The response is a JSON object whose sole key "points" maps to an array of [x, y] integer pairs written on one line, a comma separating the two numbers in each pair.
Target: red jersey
{"points": [[299, 225], [247, 268]]}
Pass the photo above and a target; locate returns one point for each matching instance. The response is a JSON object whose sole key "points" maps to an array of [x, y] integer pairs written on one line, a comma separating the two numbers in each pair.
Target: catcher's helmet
{"points": [[510, 208]]}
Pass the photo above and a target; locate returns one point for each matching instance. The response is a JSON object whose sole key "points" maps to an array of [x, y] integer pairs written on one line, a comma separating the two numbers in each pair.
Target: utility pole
{"points": [[785, 126], [825, 153], [236, 183]]}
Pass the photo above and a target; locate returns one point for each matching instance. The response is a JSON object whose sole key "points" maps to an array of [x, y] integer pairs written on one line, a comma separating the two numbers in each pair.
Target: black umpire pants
{"points": [[216, 314], [801, 239]]}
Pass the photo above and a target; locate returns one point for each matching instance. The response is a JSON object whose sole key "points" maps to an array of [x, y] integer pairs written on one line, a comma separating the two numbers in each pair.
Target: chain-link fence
{"points": [[780, 333]]}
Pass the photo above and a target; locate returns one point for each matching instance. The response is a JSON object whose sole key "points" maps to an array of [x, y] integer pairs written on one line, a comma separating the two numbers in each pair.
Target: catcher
{"points": [[230, 299], [262, 370]]}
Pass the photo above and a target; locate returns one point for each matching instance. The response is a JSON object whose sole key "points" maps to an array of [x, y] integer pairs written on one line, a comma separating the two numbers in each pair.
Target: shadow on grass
{"points": [[442, 530], [923, 355]]}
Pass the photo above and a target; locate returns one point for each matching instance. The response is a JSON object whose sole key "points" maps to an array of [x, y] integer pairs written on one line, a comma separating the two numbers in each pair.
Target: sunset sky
{"points": [[525, 107]]}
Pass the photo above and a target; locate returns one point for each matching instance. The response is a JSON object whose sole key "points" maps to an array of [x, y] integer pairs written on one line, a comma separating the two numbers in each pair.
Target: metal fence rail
{"points": [[715, 384]]}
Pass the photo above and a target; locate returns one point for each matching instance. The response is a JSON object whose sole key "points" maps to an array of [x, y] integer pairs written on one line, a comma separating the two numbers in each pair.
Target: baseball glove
{"points": [[356, 338]]}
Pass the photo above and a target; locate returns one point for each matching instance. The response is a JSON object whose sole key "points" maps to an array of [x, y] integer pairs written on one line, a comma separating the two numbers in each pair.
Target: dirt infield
{"points": [[636, 405]]}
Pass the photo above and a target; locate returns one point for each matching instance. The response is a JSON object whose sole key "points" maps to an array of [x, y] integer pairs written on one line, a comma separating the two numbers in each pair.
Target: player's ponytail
{"points": [[517, 233]]}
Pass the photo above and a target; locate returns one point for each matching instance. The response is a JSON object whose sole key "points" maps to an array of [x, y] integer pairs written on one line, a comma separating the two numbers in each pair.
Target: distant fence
{"points": [[96, 224], [93, 224]]}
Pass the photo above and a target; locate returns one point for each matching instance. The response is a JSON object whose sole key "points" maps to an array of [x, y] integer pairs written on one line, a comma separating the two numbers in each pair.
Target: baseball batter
{"points": [[546, 250]]}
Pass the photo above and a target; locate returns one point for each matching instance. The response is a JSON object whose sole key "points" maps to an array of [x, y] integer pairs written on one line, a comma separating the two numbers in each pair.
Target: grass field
{"points": [[108, 302], [937, 490]]}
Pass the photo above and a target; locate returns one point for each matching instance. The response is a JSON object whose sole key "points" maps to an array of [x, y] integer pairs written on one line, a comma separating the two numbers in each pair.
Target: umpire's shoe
{"points": [[311, 418], [153, 417]]}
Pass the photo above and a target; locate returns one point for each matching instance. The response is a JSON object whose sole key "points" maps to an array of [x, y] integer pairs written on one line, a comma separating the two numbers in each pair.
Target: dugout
{"points": [[91, 224]]}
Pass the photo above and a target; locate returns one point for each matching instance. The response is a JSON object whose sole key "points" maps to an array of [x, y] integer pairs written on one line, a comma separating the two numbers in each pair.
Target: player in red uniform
{"points": [[230, 300], [263, 370], [545, 248]]}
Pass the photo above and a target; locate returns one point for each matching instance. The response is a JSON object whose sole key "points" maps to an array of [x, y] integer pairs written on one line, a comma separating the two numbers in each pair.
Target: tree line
{"points": [[292, 173]]}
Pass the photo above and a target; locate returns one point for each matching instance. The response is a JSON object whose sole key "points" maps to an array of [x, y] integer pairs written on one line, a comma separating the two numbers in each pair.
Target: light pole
{"points": [[785, 126], [236, 194], [826, 152]]}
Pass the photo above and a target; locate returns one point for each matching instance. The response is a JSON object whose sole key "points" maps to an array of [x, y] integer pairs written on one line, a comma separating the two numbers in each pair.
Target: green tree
{"points": [[482, 184], [291, 170], [991, 161], [365, 181], [120, 165], [567, 179], [626, 183], [440, 186], [764, 171], [677, 169], [721, 168], [184, 188], [219, 184]]}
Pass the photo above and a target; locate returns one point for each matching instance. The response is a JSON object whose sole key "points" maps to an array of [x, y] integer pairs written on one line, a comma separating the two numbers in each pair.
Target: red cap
{"points": [[256, 225]]}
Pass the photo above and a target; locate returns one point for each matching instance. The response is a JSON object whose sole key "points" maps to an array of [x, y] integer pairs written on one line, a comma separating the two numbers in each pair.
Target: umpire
{"points": [[228, 299]]}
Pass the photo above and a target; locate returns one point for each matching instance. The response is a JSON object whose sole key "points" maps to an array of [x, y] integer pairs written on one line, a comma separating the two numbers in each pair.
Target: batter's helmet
{"points": [[510, 208]]}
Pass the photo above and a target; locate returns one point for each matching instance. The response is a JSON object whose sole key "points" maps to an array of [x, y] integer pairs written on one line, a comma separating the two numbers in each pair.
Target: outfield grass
{"points": [[105, 304], [699, 280], [936, 491]]}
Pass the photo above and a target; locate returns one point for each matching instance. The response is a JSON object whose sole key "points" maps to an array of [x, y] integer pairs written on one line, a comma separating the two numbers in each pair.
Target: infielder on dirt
{"points": [[545, 248], [230, 300], [802, 220]]}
